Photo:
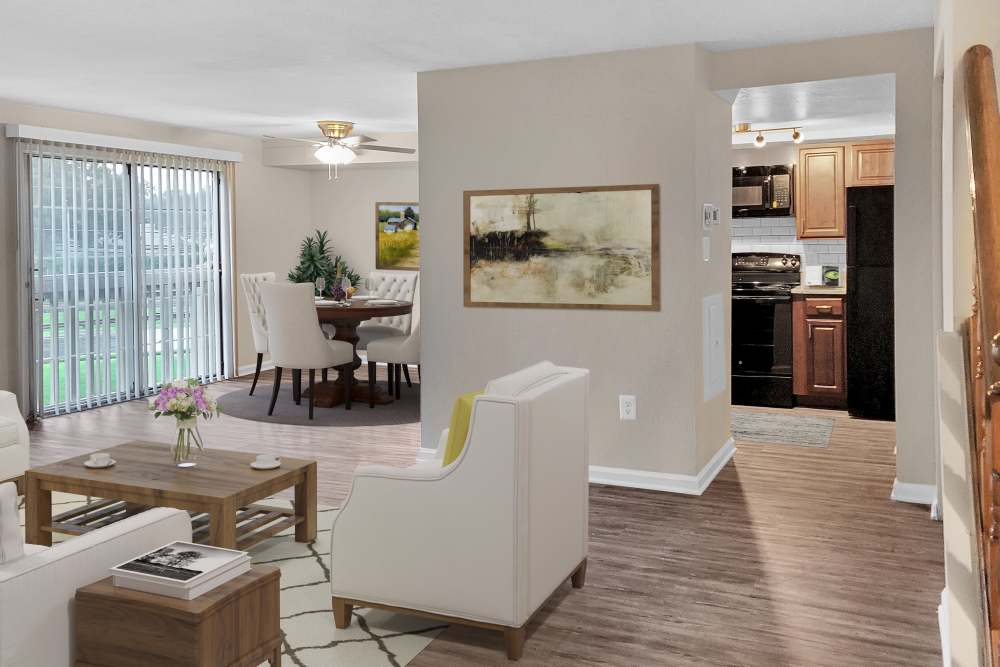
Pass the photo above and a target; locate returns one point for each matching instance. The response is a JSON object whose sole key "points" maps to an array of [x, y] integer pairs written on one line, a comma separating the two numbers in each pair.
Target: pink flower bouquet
{"points": [[185, 400]]}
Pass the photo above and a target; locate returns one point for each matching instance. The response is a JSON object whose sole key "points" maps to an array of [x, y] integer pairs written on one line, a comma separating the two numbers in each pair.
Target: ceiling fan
{"points": [[339, 148]]}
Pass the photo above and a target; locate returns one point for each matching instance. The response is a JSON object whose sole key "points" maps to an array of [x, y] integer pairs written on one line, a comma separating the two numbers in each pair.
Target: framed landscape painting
{"points": [[593, 247], [397, 236]]}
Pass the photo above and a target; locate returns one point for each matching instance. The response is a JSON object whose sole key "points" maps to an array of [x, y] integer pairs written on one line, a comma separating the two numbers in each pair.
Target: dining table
{"points": [[346, 316]]}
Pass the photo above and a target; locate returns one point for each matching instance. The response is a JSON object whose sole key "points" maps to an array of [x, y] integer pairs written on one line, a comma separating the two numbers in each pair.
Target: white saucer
{"points": [[96, 466], [258, 466]]}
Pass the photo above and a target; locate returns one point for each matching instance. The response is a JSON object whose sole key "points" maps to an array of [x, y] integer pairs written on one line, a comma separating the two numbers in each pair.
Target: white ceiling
{"points": [[838, 108], [259, 66]]}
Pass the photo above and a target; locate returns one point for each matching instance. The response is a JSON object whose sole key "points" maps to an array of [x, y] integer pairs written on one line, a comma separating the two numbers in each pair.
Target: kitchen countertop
{"points": [[820, 290]]}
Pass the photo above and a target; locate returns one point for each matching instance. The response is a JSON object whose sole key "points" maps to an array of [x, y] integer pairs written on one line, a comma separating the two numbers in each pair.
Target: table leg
{"points": [[222, 525], [275, 659], [305, 506], [37, 511]]}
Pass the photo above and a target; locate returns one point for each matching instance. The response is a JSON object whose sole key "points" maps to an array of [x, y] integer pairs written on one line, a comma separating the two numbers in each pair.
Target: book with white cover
{"points": [[201, 588], [181, 567]]}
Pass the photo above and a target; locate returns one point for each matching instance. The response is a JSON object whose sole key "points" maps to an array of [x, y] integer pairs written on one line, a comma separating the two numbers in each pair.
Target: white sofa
{"points": [[497, 530], [37, 591], [14, 441]]}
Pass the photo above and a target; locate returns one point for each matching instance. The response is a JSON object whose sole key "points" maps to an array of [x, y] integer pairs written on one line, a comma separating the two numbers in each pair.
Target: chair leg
{"points": [[297, 386], [342, 613], [419, 376], [371, 384], [274, 390], [406, 374], [256, 373], [579, 575], [391, 387], [396, 375], [349, 389], [325, 376], [514, 638], [312, 390]]}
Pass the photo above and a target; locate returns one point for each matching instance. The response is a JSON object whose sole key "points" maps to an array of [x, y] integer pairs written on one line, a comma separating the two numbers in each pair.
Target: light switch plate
{"points": [[706, 213]]}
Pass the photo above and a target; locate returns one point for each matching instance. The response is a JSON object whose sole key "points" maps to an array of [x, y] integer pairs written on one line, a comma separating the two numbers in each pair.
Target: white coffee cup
{"points": [[267, 460], [100, 458]]}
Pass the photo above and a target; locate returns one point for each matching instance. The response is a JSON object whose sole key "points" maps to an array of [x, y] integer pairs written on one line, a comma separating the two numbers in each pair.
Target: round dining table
{"points": [[346, 317]]}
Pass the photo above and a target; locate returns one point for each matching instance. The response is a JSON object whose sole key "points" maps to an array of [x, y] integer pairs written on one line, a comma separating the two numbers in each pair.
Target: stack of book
{"points": [[181, 570]]}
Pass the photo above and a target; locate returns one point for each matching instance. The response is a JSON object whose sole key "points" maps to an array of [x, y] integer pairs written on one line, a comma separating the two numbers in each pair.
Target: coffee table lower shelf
{"points": [[254, 523]]}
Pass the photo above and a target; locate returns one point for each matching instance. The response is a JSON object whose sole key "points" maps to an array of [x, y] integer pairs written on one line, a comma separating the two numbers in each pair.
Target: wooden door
{"points": [[872, 163], [825, 357], [983, 328], [821, 196]]}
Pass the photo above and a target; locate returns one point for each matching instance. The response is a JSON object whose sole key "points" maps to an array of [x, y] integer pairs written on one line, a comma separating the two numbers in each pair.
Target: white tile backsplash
{"points": [[778, 235]]}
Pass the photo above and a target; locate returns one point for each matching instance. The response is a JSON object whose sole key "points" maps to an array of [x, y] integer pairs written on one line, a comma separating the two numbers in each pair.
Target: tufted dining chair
{"points": [[399, 286], [258, 320], [297, 342]]}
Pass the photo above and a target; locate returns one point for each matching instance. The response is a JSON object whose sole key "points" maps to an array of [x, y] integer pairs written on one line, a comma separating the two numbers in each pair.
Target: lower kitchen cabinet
{"points": [[819, 368]]}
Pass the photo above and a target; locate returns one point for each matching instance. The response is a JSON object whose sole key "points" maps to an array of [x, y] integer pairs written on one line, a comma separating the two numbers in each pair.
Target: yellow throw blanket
{"points": [[458, 430]]}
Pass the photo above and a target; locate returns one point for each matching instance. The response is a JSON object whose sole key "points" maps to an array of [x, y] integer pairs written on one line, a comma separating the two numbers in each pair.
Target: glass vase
{"points": [[188, 444]]}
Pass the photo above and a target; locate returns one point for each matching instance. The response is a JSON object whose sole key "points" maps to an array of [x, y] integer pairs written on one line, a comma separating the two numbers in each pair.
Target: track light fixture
{"points": [[760, 140]]}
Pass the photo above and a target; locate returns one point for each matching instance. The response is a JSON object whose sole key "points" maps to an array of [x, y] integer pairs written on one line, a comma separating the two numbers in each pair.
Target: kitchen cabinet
{"points": [[821, 197], [871, 163], [819, 360]]}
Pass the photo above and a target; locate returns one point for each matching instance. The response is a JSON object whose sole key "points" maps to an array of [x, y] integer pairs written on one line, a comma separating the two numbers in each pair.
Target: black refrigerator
{"points": [[870, 358]]}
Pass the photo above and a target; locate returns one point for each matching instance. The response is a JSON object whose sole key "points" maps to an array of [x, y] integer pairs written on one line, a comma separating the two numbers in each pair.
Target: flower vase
{"points": [[188, 444]]}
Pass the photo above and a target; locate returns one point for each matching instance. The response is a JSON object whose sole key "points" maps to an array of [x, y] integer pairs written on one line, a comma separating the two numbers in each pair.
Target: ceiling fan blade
{"points": [[388, 149], [314, 142], [356, 139]]}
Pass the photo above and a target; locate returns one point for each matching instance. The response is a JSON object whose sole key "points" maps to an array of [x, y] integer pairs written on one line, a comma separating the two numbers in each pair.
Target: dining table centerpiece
{"points": [[185, 401]]}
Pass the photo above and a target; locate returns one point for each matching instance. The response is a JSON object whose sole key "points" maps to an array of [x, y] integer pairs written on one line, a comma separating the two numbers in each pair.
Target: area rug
{"points": [[239, 403], [374, 639], [775, 428]]}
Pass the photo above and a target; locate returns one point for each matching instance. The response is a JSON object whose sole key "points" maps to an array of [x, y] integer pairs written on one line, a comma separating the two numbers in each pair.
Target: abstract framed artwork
{"points": [[588, 247], [397, 236]]}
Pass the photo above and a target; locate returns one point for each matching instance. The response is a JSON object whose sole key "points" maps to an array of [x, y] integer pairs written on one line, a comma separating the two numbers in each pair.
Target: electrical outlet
{"points": [[626, 407]]}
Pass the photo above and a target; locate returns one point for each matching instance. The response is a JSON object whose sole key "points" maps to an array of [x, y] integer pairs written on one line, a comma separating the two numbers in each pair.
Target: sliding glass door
{"points": [[126, 276]]}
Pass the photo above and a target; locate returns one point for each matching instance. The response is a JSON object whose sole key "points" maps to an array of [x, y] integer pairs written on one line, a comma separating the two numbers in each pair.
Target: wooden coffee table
{"points": [[219, 493]]}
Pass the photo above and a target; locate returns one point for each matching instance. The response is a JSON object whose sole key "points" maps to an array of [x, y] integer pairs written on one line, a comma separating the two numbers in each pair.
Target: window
{"points": [[127, 260]]}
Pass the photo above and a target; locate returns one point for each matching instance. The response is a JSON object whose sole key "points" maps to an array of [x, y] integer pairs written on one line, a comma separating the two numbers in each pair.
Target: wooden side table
{"points": [[235, 625]]}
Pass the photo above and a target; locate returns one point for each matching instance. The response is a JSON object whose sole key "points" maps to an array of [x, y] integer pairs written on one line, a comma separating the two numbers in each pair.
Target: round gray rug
{"points": [[240, 404]]}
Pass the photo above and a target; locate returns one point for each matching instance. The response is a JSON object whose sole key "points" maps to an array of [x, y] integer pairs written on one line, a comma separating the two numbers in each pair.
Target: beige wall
{"points": [[346, 207], [909, 55], [272, 210], [632, 117]]}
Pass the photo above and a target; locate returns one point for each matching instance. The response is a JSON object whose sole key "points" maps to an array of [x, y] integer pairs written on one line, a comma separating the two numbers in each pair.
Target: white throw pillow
{"points": [[11, 538]]}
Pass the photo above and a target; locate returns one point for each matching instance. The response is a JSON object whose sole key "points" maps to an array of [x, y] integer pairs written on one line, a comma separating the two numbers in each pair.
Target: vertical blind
{"points": [[127, 256]]}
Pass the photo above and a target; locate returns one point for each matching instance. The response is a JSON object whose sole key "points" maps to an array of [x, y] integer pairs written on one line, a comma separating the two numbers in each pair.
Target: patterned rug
{"points": [[774, 428], [374, 639]]}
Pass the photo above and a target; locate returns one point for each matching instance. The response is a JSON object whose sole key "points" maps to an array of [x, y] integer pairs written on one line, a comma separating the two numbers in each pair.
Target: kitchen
{"points": [[812, 246]]}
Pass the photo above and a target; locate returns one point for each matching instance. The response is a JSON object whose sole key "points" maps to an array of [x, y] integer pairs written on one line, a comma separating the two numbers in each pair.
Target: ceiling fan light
{"points": [[796, 137], [335, 154], [759, 141]]}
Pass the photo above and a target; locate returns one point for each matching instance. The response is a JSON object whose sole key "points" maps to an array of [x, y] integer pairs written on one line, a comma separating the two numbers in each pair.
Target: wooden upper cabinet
{"points": [[872, 163], [821, 198]]}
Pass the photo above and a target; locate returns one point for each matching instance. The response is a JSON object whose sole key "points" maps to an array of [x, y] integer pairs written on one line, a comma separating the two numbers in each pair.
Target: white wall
{"points": [[272, 210], [346, 207], [908, 55], [645, 116]]}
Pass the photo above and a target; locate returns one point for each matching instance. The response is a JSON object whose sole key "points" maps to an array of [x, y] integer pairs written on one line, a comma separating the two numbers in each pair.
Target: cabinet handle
{"points": [[825, 309]]}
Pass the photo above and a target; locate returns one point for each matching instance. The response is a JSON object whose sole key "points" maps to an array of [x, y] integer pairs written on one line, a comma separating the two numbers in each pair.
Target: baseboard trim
{"points": [[250, 368], [693, 485], [918, 494]]}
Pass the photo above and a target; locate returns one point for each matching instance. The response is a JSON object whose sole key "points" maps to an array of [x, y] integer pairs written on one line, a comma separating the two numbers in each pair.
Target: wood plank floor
{"points": [[794, 555]]}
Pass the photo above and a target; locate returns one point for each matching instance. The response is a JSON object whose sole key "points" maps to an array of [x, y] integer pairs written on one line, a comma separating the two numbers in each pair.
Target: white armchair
{"points": [[14, 440], [258, 316], [37, 590], [498, 529]]}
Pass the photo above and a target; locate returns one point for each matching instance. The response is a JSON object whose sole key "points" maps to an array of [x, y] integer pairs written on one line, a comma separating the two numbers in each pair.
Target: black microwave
{"points": [[761, 191]]}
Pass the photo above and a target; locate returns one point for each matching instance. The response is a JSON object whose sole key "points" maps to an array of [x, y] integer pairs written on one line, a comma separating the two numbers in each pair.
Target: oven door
{"points": [[762, 335]]}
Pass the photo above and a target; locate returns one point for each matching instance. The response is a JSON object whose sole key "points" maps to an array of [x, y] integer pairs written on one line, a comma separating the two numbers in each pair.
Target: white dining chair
{"points": [[397, 353], [258, 320], [296, 340], [399, 286]]}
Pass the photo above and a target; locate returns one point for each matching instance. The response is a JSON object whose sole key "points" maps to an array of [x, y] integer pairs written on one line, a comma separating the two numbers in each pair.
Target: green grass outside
{"points": [[97, 382]]}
